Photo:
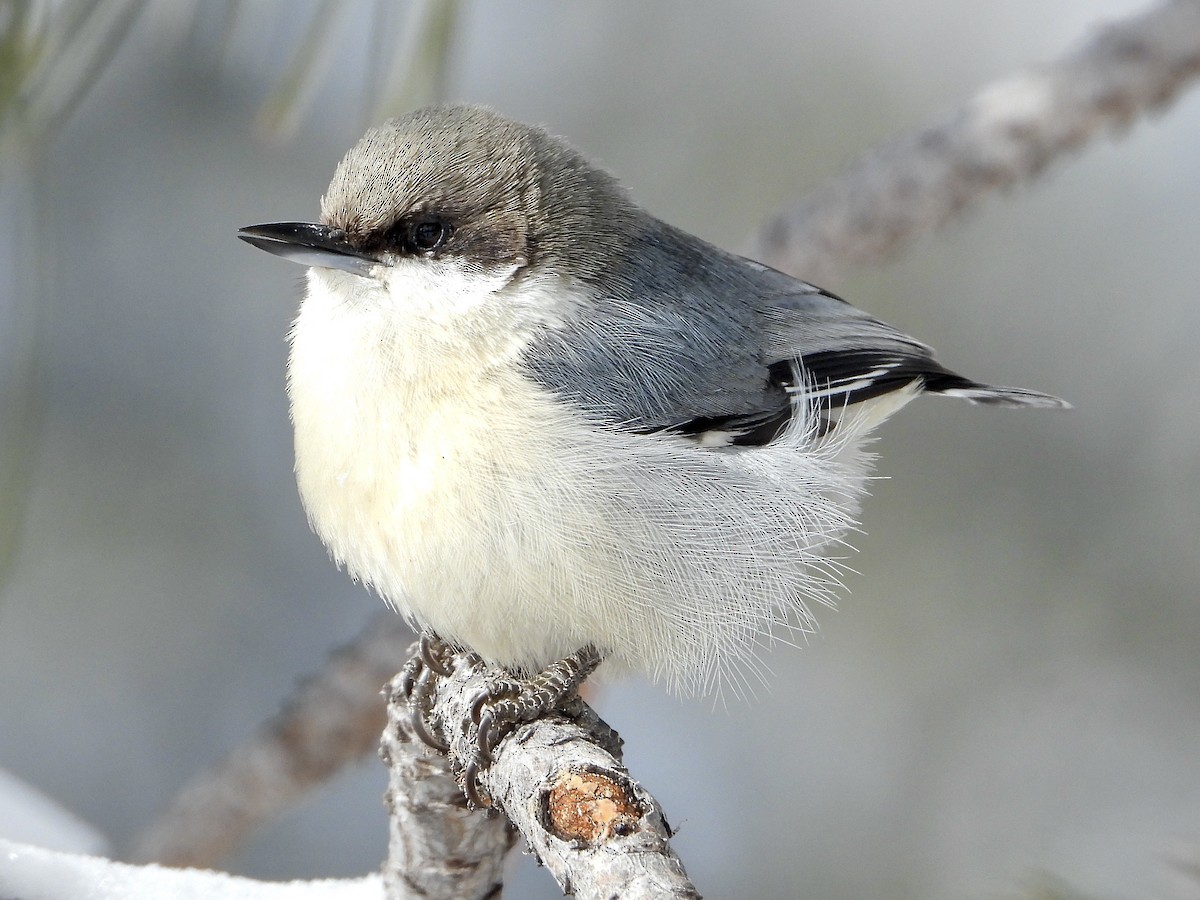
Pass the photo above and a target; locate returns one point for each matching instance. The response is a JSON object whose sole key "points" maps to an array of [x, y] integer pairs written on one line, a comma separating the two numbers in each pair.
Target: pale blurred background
{"points": [[1008, 701]]}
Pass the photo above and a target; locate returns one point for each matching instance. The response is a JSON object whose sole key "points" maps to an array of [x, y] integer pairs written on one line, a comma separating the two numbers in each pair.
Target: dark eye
{"points": [[426, 235]]}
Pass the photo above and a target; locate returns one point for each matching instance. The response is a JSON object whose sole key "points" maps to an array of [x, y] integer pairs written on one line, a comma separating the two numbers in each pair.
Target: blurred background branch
{"points": [[1007, 133], [331, 720]]}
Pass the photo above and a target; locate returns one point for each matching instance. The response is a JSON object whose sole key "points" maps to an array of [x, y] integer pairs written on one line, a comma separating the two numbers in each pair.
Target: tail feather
{"points": [[992, 395]]}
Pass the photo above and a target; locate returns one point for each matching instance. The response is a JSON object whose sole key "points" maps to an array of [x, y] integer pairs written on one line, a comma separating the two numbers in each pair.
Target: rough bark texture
{"points": [[437, 847], [596, 830]]}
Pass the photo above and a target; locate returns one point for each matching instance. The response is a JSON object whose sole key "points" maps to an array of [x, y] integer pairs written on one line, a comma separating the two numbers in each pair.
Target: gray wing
{"points": [[848, 356], [683, 336]]}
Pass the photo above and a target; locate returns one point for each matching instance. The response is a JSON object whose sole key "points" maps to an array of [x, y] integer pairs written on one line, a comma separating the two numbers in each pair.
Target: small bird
{"points": [[535, 418]]}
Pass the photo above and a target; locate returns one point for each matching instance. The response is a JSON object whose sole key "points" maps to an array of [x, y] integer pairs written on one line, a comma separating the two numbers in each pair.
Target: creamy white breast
{"points": [[494, 513]]}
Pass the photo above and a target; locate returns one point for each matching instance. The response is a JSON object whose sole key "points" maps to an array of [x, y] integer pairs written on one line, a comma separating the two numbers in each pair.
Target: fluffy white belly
{"points": [[421, 479], [501, 518]]}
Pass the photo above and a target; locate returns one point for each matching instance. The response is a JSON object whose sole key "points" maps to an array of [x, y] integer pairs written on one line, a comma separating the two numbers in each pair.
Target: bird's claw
{"points": [[418, 685], [432, 650], [418, 703], [495, 711]]}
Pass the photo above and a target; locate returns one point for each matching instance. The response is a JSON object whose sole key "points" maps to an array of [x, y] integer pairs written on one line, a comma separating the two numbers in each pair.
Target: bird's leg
{"points": [[510, 702]]}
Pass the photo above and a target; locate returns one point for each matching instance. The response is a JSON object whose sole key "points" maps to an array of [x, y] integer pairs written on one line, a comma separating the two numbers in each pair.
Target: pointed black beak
{"points": [[309, 245]]}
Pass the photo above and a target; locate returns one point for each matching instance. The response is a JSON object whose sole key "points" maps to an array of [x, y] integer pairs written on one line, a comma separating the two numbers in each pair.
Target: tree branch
{"points": [[437, 847], [597, 831], [1007, 133]]}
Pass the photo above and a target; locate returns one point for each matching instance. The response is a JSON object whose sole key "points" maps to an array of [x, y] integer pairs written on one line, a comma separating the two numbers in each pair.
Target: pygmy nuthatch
{"points": [[535, 418]]}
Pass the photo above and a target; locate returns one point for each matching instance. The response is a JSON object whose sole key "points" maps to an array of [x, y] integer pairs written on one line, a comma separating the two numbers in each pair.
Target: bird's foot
{"points": [[504, 703], [509, 702]]}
